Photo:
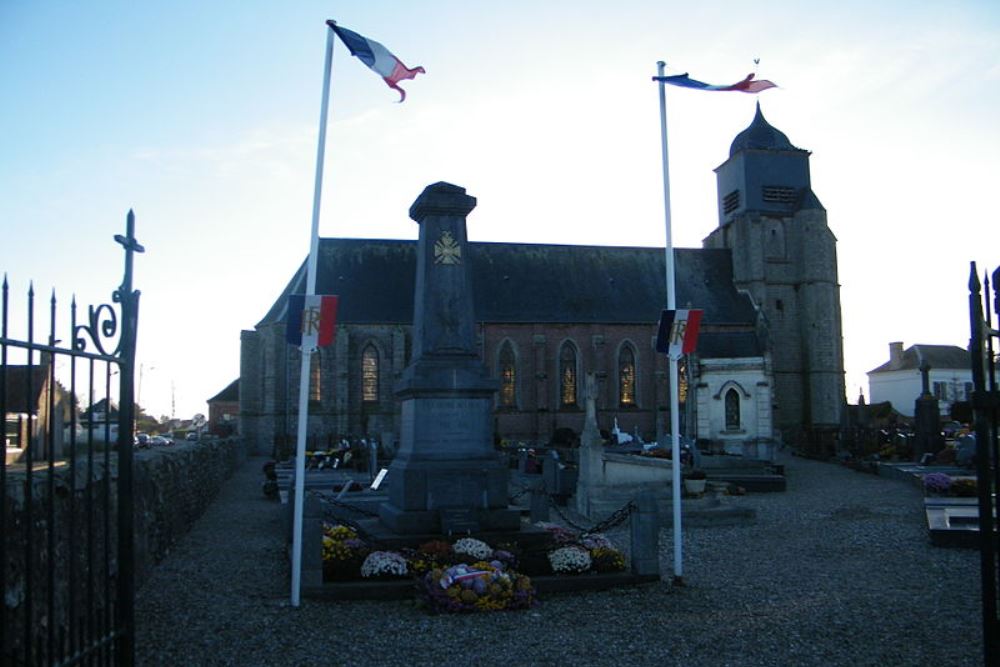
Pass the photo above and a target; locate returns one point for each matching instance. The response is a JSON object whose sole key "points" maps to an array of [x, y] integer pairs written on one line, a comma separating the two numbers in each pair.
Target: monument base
{"points": [[457, 496], [448, 522]]}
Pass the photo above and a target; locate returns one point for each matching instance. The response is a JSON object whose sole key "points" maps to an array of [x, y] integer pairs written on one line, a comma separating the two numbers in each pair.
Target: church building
{"points": [[768, 365]]}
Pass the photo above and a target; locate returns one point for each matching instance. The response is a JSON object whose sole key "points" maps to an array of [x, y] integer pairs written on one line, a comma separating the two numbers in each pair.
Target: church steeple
{"points": [[785, 256], [761, 135], [765, 174]]}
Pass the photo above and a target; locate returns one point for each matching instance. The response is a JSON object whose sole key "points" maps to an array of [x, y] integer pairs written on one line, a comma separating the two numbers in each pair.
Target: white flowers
{"points": [[569, 560], [469, 546], [379, 563]]}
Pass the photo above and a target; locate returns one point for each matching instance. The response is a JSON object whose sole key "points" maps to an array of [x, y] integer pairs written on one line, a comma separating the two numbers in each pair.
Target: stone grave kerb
{"points": [[446, 474]]}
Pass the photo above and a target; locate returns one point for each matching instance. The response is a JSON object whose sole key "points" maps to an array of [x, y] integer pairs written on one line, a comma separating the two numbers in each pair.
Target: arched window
{"points": [[567, 375], [626, 377], [315, 387], [369, 374], [732, 410], [508, 376]]}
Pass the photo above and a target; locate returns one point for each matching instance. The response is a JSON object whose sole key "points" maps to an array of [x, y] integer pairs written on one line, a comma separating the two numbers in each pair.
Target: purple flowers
{"points": [[937, 482]]}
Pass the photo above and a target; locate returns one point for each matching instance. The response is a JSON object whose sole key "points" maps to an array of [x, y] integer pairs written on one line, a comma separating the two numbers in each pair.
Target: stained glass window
{"points": [[626, 377], [369, 374], [315, 387], [508, 376], [732, 410], [567, 375]]}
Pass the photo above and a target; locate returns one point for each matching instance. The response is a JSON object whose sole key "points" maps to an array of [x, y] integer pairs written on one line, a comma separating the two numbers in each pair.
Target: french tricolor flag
{"points": [[678, 332], [378, 58], [747, 85], [312, 320]]}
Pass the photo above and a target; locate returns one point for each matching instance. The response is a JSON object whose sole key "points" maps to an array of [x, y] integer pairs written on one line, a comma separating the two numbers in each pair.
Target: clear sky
{"points": [[203, 116]]}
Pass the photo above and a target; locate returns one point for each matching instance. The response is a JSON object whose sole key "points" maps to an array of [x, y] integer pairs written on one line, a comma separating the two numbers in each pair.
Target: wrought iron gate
{"points": [[66, 551], [986, 407]]}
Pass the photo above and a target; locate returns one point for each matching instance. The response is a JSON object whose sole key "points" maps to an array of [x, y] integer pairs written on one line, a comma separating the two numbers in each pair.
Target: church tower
{"points": [[785, 257]]}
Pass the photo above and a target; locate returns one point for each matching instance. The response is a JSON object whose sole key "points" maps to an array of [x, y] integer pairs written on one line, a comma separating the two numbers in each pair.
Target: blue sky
{"points": [[203, 118]]}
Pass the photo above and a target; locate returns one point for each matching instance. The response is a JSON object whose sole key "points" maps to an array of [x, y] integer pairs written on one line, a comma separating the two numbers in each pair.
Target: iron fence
{"points": [[66, 552], [986, 415]]}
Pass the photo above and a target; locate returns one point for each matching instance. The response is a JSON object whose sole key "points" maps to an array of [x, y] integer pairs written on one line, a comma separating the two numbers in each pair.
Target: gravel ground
{"points": [[836, 571]]}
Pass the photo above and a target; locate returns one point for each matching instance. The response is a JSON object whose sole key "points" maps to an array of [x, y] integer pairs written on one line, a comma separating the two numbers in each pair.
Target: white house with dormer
{"points": [[899, 382]]}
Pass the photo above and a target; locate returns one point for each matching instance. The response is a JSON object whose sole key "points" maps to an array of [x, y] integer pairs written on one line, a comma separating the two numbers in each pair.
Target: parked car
{"points": [[191, 437], [160, 441]]}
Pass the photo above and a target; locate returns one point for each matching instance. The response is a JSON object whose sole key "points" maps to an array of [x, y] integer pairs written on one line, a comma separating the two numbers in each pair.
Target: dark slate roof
{"points": [[231, 394], [761, 135], [809, 201], [729, 344], [519, 282], [937, 356], [16, 396]]}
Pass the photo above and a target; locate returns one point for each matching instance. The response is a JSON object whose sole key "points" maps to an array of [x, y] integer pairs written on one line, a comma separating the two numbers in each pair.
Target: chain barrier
{"points": [[615, 519]]}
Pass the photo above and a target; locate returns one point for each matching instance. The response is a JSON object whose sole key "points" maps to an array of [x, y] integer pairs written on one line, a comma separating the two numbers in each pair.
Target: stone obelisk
{"points": [[446, 475]]}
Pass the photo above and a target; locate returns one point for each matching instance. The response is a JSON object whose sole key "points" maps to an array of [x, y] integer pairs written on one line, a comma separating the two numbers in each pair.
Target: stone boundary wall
{"points": [[173, 487]]}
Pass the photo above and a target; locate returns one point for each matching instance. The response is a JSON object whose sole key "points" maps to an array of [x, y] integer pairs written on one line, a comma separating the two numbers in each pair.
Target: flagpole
{"points": [[300, 446], [675, 446]]}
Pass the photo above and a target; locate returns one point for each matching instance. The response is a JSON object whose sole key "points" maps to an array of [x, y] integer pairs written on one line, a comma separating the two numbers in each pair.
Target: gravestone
{"points": [[591, 478], [446, 475], [927, 418]]}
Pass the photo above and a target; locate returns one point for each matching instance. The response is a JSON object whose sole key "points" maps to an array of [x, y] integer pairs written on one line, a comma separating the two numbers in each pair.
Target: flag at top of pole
{"points": [[377, 58], [674, 339], [747, 85]]}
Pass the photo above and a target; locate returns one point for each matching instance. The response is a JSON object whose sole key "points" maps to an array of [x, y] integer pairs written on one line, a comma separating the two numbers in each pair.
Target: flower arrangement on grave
{"points": [[570, 560], [384, 564], [593, 541], [429, 555], [657, 453], [605, 559], [964, 487], [480, 586], [937, 483], [343, 552], [561, 535], [470, 546]]}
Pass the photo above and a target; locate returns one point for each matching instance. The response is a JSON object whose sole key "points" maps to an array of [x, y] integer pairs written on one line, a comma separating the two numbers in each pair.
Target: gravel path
{"points": [[836, 571]]}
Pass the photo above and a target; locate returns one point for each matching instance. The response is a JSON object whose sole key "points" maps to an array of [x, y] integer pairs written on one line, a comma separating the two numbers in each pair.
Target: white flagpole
{"points": [[300, 447], [675, 437]]}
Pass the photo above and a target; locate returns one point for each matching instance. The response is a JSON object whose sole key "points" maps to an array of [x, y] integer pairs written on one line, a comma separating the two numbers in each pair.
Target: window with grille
{"points": [[626, 377], [369, 374], [508, 376], [567, 375], [731, 202], [779, 194]]}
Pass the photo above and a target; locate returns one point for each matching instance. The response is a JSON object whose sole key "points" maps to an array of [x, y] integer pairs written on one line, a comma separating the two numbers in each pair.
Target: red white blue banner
{"points": [[378, 59], [312, 320], [747, 85], [678, 332]]}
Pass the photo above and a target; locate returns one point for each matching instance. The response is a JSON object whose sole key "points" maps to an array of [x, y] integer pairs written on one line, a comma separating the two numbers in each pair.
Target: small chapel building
{"points": [[769, 361]]}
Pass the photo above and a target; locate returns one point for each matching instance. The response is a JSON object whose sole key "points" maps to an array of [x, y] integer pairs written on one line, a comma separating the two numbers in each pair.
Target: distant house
{"points": [[36, 408], [224, 410], [898, 380]]}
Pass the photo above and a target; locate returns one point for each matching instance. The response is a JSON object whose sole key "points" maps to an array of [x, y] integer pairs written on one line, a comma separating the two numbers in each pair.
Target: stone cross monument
{"points": [[446, 476]]}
